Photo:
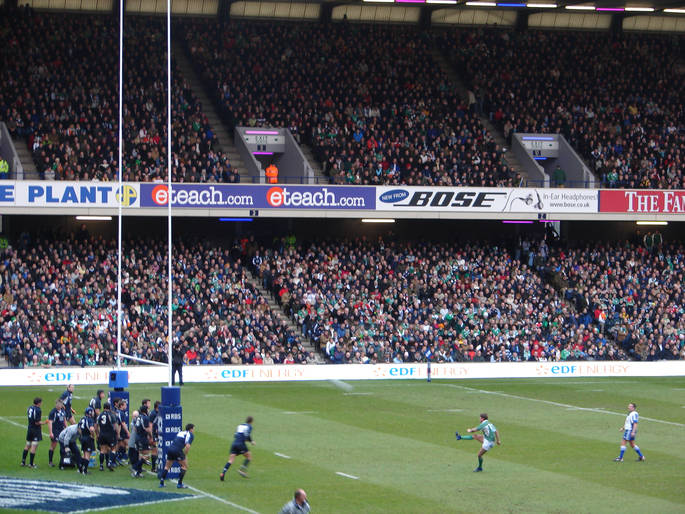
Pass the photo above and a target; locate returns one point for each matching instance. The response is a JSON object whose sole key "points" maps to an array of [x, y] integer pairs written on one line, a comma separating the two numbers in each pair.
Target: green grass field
{"points": [[559, 439]]}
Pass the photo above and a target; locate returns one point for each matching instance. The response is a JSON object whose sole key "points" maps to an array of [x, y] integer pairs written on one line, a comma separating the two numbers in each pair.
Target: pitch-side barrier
{"points": [[283, 373]]}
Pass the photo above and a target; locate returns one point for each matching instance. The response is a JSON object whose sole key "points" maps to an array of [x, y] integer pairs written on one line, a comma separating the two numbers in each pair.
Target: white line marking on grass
{"points": [[19, 425], [152, 502], [213, 497], [299, 412], [12, 422], [445, 410], [357, 394], [557, 404], [346, 475], [342, 385], [282, 455]]}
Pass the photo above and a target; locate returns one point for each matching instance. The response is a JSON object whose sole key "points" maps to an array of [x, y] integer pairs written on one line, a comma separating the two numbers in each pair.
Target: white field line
{"points": [[282, 455], [213, 497], [346, 475], [557, 404], [18, 424], [342, 385], [289, 412]]}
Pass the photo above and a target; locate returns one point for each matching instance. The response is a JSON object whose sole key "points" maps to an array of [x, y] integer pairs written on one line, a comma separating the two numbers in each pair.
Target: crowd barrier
{"points": [[285, 373]]}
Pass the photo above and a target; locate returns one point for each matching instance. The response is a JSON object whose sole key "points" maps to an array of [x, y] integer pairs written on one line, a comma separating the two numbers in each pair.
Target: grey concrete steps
{"points": [[222, 132], [319, 176], [274, 306], [462, 90], [26, 158]]}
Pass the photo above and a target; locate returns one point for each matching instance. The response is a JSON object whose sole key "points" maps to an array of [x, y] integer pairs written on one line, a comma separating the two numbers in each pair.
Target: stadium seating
{"points": [[359, 300], [378, 301], [58, 305], [612, 96], [630, 292], [371, 101], [61, 93]]}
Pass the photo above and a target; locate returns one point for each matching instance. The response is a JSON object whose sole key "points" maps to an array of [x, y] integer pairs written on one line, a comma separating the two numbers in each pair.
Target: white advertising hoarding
{"points": [[285, 373], [487, 200]]}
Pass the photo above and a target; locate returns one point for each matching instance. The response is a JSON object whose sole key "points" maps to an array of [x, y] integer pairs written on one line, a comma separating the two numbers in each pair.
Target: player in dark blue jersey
{"points": [[67, 397], [96, 402], [178, 449], [57, 421], [108, 434], [33, 433], [155, 421], [242, 435], [86, 429], [124, 434], [143, 431]]}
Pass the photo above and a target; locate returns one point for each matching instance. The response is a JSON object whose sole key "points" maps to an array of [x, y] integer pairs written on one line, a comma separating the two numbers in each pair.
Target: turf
{"points": [[559, 439]]}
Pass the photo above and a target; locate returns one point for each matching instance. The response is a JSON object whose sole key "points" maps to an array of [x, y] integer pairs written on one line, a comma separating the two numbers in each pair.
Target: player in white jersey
{"points": [[629, 430]]}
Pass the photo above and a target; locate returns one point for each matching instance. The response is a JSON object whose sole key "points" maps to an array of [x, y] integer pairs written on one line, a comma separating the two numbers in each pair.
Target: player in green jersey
{"points": [[488, 439]]}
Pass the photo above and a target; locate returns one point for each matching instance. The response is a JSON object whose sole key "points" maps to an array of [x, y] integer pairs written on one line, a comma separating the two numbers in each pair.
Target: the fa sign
{"points": [[127, 195]]}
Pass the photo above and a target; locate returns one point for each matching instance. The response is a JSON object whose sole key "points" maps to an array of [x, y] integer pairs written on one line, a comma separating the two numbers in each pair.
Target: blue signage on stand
{"points": [[171, 417]]}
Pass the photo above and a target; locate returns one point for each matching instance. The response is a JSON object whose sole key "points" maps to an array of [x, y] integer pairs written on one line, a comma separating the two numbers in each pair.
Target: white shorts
{"points": [[487, 445]]}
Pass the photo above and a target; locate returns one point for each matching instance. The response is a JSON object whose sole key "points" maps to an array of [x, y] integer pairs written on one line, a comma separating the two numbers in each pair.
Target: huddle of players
{"points": [[100, 423]]}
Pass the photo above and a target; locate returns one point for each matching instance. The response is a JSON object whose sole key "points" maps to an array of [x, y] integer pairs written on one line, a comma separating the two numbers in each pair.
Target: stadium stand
{"points": [[370, 100], [359, 300], [632, 293], [61, 93], [58, 304], [626, 120], [382, 301]]}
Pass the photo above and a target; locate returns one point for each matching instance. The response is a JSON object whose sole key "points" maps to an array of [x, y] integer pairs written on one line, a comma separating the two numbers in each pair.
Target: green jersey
{"points": [[488, 430]]}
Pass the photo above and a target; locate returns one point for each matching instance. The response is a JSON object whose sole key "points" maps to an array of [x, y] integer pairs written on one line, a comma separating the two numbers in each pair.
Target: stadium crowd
{"points": [[614, 97], [383, 301], [371, 101], [633, 294], [358, 300], [60, 92], [59, 307]]}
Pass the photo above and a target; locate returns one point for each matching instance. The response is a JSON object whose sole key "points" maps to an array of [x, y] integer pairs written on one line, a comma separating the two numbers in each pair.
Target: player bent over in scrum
{"points": [[488, 439], [177, 452], [242, 435]]}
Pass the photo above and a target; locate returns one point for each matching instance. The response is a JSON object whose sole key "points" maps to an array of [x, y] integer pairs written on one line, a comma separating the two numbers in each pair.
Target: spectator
{"points": [[4, 169], [559, 177]]}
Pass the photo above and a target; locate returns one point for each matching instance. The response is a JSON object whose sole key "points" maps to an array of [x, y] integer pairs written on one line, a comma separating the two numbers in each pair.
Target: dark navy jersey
{"points": [[58, 418], [96, 403], [84, 426], [153, 421], [179, 443], [34, 414], [242, 434], [66, 399], [106, 423], [121, 419], [141, 425]]}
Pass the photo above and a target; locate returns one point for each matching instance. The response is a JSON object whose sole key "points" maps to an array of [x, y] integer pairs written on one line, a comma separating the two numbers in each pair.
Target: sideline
{"points": [[557, 404], [213, 497]]}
